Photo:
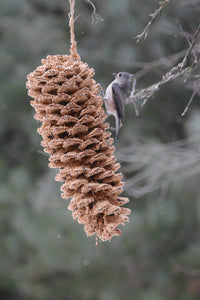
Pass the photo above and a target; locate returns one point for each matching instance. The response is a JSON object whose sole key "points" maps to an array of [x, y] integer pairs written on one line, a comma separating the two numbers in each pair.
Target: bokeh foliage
{"points": [[44, 254]]}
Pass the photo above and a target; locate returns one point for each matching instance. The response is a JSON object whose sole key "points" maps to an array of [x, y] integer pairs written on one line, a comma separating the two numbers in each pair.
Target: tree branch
{"points": [[176, 71], [153, 15], [148, 92], [185, 60]]}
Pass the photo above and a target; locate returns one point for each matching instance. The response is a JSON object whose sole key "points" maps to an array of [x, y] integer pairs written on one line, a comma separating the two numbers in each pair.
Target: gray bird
{"points": [[115, 96]]}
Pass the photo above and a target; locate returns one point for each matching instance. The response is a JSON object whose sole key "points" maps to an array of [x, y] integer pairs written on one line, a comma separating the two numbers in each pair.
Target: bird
{"points": [[115, 96]]}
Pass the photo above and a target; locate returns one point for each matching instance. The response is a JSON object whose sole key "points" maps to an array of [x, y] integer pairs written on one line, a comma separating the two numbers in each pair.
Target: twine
{"points": [[73, 49]]}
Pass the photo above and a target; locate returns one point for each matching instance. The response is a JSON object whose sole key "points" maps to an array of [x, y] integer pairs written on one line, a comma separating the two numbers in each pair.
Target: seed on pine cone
{"points": [[67, 103]]}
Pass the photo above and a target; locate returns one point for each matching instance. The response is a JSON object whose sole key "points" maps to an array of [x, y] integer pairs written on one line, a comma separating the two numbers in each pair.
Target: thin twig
{"points": [[153, 15], [190, 101], [186, 36], [132, 96], [193, 66], [95, 17], [184, 62]]}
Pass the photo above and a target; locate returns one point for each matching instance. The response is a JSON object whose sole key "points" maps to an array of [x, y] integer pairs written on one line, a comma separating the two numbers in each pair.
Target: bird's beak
{"points": [[114, 74]]}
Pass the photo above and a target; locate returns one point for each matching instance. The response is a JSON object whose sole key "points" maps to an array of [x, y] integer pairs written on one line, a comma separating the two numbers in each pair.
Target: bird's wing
{"points": [[125, 86], [119, 100]]}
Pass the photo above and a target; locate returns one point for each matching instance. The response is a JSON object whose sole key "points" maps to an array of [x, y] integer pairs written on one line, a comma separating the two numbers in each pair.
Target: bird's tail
{"points": [[117, 122]]}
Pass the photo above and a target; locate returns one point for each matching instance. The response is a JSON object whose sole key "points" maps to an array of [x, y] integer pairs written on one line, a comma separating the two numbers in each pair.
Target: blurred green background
{"points": [[46, 255]]}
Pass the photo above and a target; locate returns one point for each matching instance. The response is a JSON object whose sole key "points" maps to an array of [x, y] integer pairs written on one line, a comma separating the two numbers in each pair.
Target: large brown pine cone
{"points": [[66, 101]]}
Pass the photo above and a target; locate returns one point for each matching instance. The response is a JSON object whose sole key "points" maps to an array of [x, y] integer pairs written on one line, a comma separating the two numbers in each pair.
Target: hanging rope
{"points": [[73, 48]]}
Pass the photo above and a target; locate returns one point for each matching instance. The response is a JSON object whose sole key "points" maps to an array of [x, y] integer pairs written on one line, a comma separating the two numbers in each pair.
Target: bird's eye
{"points": [[120, 74]]}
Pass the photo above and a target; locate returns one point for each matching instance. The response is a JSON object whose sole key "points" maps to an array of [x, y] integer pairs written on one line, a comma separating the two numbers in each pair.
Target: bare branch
{"points": [[186, 36], [184, 62], [176, 71], [148, 92], [153, 15], [132, 96], [190, 101]]}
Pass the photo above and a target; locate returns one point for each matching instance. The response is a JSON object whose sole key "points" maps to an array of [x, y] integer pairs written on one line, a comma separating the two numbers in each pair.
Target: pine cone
{"points": [[66, 101]]}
